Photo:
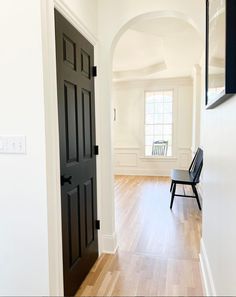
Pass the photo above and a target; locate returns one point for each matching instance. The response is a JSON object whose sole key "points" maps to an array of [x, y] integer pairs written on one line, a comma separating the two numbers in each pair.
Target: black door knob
{"points": [[65, 180]]}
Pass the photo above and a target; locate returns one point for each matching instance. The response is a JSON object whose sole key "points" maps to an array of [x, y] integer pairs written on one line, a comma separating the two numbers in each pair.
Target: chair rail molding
{"points": [[131, 161]]}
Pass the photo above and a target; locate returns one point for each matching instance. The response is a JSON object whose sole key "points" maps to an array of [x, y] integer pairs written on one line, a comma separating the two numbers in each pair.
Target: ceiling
{"points": [[158, 48]]}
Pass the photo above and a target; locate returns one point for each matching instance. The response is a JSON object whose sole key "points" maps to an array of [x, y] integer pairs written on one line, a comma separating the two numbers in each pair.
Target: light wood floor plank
{"points": [[158, 251]]}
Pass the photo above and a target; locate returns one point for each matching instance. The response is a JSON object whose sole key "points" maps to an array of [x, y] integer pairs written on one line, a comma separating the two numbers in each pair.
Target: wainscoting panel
{"points": [[126, 159], [130, 161], [185, 158]]}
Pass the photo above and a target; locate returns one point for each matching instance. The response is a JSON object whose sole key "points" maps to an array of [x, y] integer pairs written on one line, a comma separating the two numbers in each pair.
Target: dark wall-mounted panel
{"points": [[220, 51]]}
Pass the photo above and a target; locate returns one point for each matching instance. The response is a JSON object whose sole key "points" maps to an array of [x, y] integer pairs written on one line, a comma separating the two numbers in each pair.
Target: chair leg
{"points": [[197, 197], [171, 187], [173, 195]]}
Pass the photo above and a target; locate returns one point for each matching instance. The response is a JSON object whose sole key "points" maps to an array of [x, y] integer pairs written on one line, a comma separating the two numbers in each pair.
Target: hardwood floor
{"points": [[158, 248]]}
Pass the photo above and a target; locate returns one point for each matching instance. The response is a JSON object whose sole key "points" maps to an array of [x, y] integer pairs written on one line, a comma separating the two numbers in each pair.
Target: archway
{"points": [[151, 16], [114, 18]]}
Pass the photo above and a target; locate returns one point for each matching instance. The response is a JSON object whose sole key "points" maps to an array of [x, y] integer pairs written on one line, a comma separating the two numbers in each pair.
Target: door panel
{"points": [[87, 135], [69, 52], [74, 226], [76, 111], [71, 123], [85, 64], [88, 198]]}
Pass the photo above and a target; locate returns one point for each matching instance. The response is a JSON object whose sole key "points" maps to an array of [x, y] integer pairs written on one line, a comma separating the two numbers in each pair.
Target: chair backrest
{"points": [[160, 148], [196, 166]]}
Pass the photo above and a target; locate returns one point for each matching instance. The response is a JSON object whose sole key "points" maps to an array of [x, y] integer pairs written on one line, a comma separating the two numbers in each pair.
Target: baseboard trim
{"points": [[109, 243], [206, 272]]}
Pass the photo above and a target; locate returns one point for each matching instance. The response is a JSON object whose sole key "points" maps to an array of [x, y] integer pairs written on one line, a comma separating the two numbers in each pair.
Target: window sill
{"points": [[157, 159]]}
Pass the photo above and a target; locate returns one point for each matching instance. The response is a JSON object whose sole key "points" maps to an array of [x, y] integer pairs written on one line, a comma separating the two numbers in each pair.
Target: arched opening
{"points": [[152, 16], [154, 55]]}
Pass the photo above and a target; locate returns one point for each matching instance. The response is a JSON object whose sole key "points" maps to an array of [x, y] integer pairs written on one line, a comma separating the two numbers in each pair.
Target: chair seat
{"points": [[181, 177]]}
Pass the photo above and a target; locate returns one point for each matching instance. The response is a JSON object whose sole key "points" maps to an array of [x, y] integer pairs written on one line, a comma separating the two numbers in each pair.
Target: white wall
{"points": [[23, 210], [218, 244], [30, 230], [128, 100]]}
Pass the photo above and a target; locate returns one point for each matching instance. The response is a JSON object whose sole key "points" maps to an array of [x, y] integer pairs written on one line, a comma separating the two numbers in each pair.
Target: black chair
{"points": [[188, 177]]}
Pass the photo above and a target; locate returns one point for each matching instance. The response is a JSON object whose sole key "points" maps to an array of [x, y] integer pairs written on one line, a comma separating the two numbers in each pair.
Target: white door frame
{"points": [[52, 137]]}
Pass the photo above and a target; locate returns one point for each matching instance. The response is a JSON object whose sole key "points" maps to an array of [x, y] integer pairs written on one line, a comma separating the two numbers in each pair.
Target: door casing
{"points": [[55, 285]]}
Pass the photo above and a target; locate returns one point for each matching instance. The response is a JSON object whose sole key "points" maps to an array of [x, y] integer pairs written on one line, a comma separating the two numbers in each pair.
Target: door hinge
{"points": [[98, 224], [96, 150], [94, 71]]}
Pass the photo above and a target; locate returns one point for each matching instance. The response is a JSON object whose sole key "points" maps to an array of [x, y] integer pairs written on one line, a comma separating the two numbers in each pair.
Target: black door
{"points": [[76, 108]]}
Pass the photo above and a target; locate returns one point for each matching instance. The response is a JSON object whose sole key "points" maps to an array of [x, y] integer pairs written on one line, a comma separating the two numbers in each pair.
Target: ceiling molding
{"points": [[160, 82], [139, 73], [217, 62]]}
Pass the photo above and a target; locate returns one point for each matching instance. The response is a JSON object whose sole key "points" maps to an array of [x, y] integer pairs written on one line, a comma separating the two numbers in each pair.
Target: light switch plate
{"points": [[12, 144]]}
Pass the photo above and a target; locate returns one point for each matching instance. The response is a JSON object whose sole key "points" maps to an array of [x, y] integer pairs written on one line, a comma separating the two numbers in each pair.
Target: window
{"points": [[158, 123]]}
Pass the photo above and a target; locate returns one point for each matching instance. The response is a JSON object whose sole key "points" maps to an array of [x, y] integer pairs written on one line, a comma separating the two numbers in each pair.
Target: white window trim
{"points": [[174, 126]]}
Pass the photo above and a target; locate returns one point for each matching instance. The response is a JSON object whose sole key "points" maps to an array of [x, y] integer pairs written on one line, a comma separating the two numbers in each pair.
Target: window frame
{"points": [[174, 121]]}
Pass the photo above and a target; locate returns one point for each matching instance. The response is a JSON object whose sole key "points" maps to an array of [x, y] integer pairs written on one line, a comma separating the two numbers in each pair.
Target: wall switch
{"points": [[10, 144]]}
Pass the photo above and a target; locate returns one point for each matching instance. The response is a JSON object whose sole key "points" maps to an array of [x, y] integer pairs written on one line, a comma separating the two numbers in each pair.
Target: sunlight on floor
{"points": [[158, 252]]}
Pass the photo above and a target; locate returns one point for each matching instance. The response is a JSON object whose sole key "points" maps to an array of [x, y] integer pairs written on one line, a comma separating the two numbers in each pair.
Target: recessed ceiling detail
{"points": [[137, 73], [157, 48]]}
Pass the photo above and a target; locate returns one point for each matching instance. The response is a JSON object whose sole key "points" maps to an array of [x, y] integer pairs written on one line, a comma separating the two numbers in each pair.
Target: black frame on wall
{"points": [[230, 51]]}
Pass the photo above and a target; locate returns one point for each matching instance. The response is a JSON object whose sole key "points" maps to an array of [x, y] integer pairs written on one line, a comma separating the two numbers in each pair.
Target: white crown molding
{"points": [[75, 21], [126, 148], [167, 82], [137, 73], [217, 62]]}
